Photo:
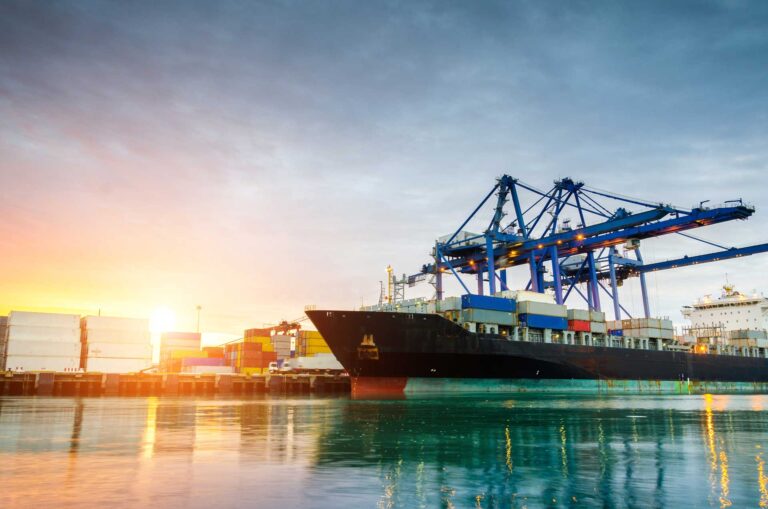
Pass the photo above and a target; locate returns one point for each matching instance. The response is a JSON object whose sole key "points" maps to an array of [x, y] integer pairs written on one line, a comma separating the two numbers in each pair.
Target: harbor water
{"points": [[525, 450]]}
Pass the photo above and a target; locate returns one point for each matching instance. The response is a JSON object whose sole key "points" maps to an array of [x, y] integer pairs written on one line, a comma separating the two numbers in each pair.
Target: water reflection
{"points": [[529, 451]]}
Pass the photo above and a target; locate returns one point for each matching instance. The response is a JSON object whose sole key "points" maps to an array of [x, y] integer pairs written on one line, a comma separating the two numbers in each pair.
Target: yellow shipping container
{"points": [[251, 371], [259, 339], [313, 351], [311, 334], [187, 353], [316, 342]]}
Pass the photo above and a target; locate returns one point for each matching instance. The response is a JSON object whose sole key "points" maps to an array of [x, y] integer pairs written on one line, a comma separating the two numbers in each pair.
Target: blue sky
{"points": [[255, 157]]}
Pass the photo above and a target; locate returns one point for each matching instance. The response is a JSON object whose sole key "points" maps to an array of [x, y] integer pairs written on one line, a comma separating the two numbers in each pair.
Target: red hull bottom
{"points": [[378, 386]]}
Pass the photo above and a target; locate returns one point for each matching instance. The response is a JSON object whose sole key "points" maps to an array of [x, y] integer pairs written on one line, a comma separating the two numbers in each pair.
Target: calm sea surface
{"points": [[521, 451]]}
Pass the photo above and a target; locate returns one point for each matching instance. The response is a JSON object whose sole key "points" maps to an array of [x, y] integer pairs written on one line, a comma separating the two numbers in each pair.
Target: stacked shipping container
{"points": [[42, 342], [542, 315], [175, 346], [655, 328], [113, 344], [310, 342]]}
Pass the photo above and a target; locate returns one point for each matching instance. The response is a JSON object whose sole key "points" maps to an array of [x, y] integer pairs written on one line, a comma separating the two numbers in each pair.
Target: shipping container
{"points": [[597, 316], [203, 361], [542, 309], [214, 351], [37, 333], [116, 336], [644, 332], [616, 332], [581, 315], [750, 342], [119, 350], [543, 321], [470, 301], [488, 316], [747, 334], [181, 354], [598, 327], [201, 370], [524, 295], [43, 348], [579, 325], [31, 319], [114, 323], [449, 304]]}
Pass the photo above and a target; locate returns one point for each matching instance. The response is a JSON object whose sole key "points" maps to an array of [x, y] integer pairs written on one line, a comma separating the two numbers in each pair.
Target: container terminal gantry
{"points": [[542, 234]]}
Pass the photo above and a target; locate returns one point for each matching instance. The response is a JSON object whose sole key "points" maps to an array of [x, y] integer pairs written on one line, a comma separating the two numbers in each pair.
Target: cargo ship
{"points": [[523, 341]]}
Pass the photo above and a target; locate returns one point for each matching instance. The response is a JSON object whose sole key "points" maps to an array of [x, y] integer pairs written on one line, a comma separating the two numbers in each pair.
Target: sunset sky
{"points": [[256, 157]]}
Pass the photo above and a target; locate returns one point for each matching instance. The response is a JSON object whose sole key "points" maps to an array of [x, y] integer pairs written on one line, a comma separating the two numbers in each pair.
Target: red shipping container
{"points": [[251, 347], [578, 325], [214, 352]]}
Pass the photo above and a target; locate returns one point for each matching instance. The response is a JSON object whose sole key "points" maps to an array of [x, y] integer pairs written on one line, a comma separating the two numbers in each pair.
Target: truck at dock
{"points": [[315, 364]]}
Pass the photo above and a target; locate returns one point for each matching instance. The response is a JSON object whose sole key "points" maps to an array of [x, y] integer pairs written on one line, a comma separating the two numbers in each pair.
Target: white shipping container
{"points": [[578, 314], [644, 332], [117, 336], [542, 308], [36, 333], [43, 348], [526, 296], [42, 363], [208, 369], [667, 334], [106, 365], [598, 327], [449, 304], [119, 350], [597, 316], [666, 325], [762, 343], [115, 323], [28, 318], [319, 361]]}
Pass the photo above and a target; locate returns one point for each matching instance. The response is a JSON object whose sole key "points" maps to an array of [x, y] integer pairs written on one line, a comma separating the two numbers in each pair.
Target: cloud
{"points": [[237, 151]]}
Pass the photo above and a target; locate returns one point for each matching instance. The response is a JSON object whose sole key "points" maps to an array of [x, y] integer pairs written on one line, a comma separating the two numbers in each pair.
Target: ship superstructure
{"points": [[732, 311]]}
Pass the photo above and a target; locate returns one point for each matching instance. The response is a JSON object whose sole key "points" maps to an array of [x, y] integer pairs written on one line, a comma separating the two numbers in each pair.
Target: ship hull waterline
{"points": [[399, 354]]}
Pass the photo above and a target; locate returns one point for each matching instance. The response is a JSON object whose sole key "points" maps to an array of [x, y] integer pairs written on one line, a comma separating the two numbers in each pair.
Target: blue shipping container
{"points": [[470, 301], [543, 322], [616, 332]]}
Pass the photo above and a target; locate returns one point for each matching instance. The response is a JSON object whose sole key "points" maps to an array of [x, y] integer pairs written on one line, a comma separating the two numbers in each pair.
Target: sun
{"points": [[163, 320]]}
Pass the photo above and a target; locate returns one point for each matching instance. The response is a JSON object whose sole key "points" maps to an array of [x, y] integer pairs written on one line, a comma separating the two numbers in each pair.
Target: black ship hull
{"points": [[399, 353]]}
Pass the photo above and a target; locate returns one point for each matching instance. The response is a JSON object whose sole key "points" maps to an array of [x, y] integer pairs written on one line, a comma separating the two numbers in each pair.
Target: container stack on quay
{"points": [[252, 355], [285, 346], [42, 342], [113, 344], [209, 359], [311, 343], [175, 346]]}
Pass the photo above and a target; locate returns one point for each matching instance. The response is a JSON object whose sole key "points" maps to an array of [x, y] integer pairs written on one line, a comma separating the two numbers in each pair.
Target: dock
{"points": [[168, 384]]}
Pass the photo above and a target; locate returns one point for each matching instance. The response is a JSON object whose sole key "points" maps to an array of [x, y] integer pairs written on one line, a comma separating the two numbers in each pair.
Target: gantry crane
{"points": [[542, 234]]}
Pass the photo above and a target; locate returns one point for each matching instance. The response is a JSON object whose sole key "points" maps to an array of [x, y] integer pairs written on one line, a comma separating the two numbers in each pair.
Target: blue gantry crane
{"points": [[542, 235]]}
